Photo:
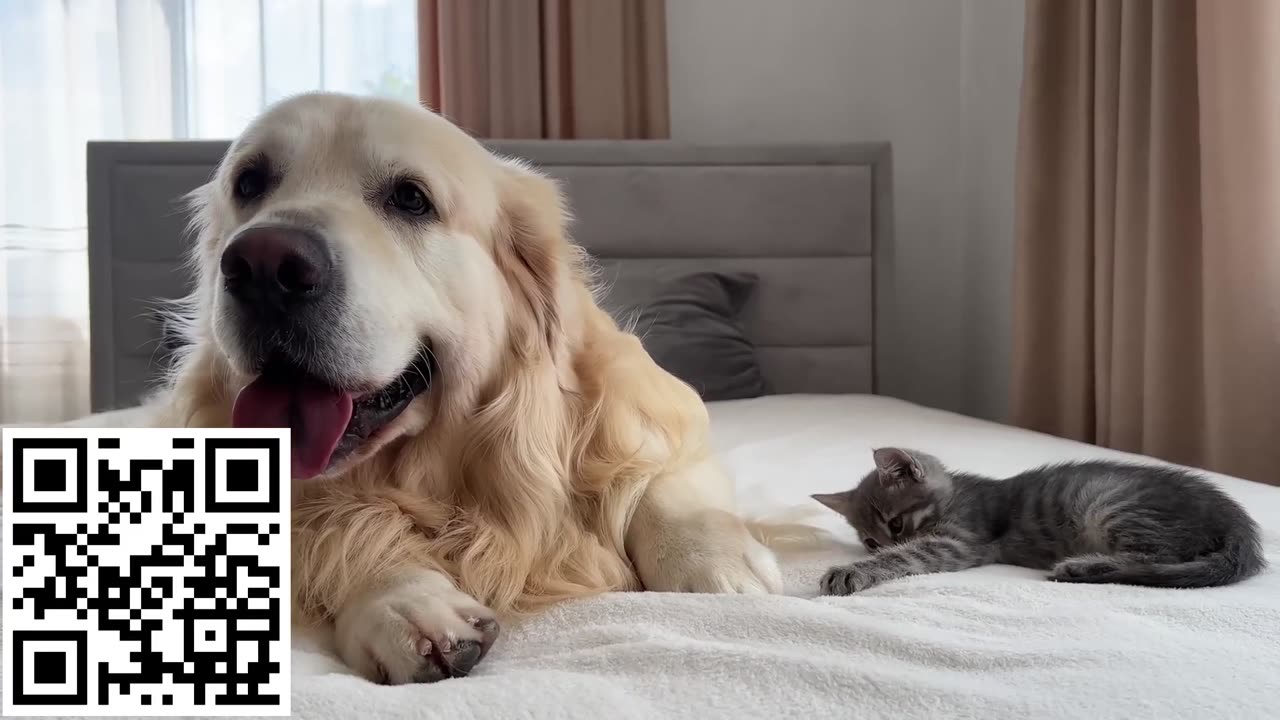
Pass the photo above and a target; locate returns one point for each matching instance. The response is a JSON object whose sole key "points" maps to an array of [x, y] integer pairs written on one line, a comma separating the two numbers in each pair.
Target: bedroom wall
{"points": [[938, 79]]}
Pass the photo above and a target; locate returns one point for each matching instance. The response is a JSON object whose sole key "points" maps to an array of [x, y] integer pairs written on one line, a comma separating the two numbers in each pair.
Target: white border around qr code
{"points": [[101, 526]]}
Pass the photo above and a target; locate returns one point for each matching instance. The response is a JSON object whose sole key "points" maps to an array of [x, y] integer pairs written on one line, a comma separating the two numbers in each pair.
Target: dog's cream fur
{"points": [[551, 458]]}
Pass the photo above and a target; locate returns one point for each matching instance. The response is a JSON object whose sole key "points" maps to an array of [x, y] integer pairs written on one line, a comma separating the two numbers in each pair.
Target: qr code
{"points": [[146, 572]]}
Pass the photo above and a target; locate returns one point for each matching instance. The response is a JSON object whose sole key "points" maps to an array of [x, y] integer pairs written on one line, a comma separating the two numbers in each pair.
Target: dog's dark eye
{"points": [[871, 544], [251, 183], [895, 525], [409, 199]]}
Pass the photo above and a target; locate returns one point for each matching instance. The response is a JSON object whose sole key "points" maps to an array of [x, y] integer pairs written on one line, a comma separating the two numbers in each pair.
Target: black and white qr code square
{"points": [[146, 572]]}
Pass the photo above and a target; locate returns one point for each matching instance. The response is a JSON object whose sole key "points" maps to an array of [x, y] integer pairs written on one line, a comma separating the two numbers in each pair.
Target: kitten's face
{"points": [[896, 501]]}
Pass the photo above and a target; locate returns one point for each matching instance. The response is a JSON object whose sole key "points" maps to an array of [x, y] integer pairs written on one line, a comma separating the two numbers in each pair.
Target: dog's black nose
{"points": [[275, 267]]}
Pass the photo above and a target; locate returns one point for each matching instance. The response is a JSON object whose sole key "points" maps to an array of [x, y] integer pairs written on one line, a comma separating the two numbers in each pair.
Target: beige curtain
{"points": [[546, 68], [1147, 283]]}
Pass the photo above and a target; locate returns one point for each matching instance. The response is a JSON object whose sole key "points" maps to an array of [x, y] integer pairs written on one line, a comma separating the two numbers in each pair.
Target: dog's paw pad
{"points": [[417, 631], [448, 658]]}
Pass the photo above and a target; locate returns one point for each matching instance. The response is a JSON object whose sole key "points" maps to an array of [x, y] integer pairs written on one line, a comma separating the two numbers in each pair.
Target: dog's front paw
{"points": [[845, 580], [712, 553], [418, 629]]}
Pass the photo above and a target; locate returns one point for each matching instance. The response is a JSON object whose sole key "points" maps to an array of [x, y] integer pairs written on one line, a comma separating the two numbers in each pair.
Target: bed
{"points": [[990, 642]]}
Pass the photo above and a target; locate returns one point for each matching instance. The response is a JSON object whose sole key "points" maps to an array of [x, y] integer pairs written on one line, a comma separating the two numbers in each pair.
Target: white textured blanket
{"points": [[996, 642]]}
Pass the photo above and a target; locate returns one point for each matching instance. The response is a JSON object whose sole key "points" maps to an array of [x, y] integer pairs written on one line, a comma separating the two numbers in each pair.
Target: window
{"points": [[80, 70]]}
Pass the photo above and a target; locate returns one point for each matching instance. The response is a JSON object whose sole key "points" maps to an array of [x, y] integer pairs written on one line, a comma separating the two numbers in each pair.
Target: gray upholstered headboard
{"points": [[811, 221]]}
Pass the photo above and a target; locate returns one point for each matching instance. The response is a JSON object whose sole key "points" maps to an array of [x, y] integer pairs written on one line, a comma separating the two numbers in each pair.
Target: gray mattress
{"points": [[811, 221]]}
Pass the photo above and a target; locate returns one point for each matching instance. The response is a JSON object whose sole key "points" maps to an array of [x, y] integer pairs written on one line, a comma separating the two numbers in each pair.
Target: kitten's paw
{"points": [[845, 580], [420, 629], [1083, 568]]}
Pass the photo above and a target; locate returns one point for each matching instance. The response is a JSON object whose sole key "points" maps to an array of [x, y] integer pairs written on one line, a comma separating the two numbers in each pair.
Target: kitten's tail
{"points": [[1239, 558]]}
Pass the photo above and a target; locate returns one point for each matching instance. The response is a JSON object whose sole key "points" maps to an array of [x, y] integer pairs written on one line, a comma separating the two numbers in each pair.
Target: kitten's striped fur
{"points": [[1089, 522]]}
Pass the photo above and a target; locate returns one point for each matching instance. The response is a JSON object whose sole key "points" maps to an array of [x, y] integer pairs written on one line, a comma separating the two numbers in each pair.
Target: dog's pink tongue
{"points": [[317, 414]]}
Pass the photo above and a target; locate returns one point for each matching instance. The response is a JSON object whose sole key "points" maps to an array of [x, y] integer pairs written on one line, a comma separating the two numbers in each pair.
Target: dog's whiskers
{"points": [[434, 362]]}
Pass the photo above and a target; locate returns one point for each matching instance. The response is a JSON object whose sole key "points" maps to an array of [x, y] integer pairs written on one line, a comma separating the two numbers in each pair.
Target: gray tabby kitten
{"points": [[1086, 522]]}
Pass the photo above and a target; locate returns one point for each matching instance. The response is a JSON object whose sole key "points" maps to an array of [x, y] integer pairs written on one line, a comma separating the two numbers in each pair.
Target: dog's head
{"points": [[364, 265]]}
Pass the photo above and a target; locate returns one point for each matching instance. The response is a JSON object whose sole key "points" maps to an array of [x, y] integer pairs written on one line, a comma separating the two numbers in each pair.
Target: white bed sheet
{"points": [[992, 642], [995, 642]]}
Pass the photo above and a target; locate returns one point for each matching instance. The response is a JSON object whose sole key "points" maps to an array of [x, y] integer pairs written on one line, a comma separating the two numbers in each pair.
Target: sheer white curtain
{"points": [[79, 70]]}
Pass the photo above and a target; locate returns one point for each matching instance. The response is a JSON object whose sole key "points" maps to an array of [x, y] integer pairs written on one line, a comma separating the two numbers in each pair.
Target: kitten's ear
{"points": [[836, 501], [898, 465]]}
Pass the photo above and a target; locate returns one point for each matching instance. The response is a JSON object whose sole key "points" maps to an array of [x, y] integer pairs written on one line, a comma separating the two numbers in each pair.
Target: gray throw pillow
{"points": [[691, 328]]}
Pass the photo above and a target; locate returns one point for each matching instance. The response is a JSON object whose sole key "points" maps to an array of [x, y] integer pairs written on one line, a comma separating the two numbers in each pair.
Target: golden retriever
{"points": [[473, 437]]}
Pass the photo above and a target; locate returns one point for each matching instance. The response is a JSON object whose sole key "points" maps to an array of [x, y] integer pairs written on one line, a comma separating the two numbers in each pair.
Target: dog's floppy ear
{"points": [[531, 248]]}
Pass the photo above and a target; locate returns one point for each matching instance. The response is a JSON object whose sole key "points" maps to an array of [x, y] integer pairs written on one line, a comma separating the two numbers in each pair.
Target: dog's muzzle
{"points": [[273, 271]]}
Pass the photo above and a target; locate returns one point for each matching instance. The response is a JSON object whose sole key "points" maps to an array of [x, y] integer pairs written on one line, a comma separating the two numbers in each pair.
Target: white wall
{"points": [[937, 78]]}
